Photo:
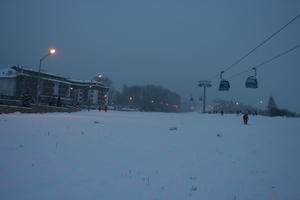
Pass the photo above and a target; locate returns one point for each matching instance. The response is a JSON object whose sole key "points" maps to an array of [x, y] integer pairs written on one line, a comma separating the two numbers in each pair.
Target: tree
{"points": [[149, 98], [271, 105], [273, 110], [27, 98]]}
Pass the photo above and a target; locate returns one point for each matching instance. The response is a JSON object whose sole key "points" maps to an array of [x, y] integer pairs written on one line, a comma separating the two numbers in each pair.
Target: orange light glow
{"points": [[52, 51]]}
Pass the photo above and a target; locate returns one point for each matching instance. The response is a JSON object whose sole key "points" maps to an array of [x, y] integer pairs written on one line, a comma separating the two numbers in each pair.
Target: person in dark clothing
{"points": [[58, 102], [105, 108], [245, 118], [99, 108]]}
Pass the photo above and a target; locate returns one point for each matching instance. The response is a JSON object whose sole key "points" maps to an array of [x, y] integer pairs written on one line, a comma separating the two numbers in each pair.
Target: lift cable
{"points": [[267, 61], [259, 45]]}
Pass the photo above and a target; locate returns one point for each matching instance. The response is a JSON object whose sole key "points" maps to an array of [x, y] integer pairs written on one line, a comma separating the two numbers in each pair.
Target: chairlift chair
{"points": [[224, 84], [251, 81]]}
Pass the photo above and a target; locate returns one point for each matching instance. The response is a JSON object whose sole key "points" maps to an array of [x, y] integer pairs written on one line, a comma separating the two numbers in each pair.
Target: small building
{"points": [[14, 81]]}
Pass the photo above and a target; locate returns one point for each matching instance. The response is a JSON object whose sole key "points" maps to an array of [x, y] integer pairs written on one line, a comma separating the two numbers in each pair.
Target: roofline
{"points": [[57, 77]]}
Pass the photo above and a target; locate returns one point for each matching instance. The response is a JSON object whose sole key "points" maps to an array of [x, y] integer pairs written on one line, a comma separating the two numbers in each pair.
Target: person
{"points": [[222, 112], [58, 102], [245, 118], [99, 108], [105, 108]]}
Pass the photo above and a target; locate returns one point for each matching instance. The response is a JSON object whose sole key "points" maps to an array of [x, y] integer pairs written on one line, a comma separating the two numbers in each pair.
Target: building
{"points": [[14, 81]]}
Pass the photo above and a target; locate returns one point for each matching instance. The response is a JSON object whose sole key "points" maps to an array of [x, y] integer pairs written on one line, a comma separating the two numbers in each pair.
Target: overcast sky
{"points": [[173, 43]]}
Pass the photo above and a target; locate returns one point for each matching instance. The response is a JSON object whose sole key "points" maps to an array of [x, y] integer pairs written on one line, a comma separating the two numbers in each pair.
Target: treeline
{"points": [[232, 107], [148, 98]]}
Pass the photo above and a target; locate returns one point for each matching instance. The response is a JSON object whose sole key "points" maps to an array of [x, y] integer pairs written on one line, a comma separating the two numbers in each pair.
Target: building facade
{"points": [[48, 88]]}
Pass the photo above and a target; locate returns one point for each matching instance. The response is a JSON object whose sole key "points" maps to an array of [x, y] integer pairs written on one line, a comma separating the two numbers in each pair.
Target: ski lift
{"points": [[224, 84], [251, 81]]}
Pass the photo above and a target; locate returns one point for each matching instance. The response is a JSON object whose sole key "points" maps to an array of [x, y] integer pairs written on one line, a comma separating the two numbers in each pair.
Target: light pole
{"points": [[100, 76], [204, 84], [51, 51]]}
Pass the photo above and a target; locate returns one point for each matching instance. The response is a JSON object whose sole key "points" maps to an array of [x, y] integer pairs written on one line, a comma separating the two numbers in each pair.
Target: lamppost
{"points": [[100, 76], [51, 51]]}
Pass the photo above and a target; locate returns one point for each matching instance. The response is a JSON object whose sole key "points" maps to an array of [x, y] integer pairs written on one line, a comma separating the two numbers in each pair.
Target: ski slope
{"points": [[148, 156]]}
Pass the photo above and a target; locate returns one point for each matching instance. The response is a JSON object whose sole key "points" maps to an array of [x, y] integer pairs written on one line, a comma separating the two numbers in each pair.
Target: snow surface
{"points": [[151, 156]]}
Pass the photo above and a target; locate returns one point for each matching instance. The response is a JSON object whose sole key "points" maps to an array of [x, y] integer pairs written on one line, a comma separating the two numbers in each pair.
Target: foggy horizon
{"points": [[169, 43]]}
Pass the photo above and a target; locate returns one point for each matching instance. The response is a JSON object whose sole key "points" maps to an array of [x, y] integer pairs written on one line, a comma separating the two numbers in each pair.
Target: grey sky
{"points": [[173, 43]]}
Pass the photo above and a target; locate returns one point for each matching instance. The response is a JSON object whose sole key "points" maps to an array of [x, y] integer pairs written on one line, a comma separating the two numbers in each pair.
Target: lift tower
{"points": [[204, 84]]}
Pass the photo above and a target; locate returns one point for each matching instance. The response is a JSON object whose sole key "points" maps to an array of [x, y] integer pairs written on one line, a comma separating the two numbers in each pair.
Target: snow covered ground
{"points": [[148, 156]]}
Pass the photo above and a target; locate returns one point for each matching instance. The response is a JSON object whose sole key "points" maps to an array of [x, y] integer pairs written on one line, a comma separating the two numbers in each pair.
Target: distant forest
{"points": [[144, 98], [148, 98]]}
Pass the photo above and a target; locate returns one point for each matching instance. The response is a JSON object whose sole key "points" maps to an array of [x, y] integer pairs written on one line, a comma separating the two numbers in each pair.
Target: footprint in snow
{"points": [[174, 128]]}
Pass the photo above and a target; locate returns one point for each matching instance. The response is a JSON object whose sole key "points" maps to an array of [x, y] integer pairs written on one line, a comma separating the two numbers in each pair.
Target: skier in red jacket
{"points": [[245, 118]]}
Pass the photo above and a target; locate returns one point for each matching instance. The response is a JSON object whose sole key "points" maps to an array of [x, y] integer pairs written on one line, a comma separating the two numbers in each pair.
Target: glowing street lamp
{"points": [[51, 51]]}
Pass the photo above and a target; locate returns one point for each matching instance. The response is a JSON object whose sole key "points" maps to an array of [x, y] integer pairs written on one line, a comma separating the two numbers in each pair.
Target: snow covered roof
{"points": [[8, 73]]}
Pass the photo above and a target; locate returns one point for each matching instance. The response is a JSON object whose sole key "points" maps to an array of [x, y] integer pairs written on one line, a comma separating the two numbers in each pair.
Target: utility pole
{"points": [[204, 84]]}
